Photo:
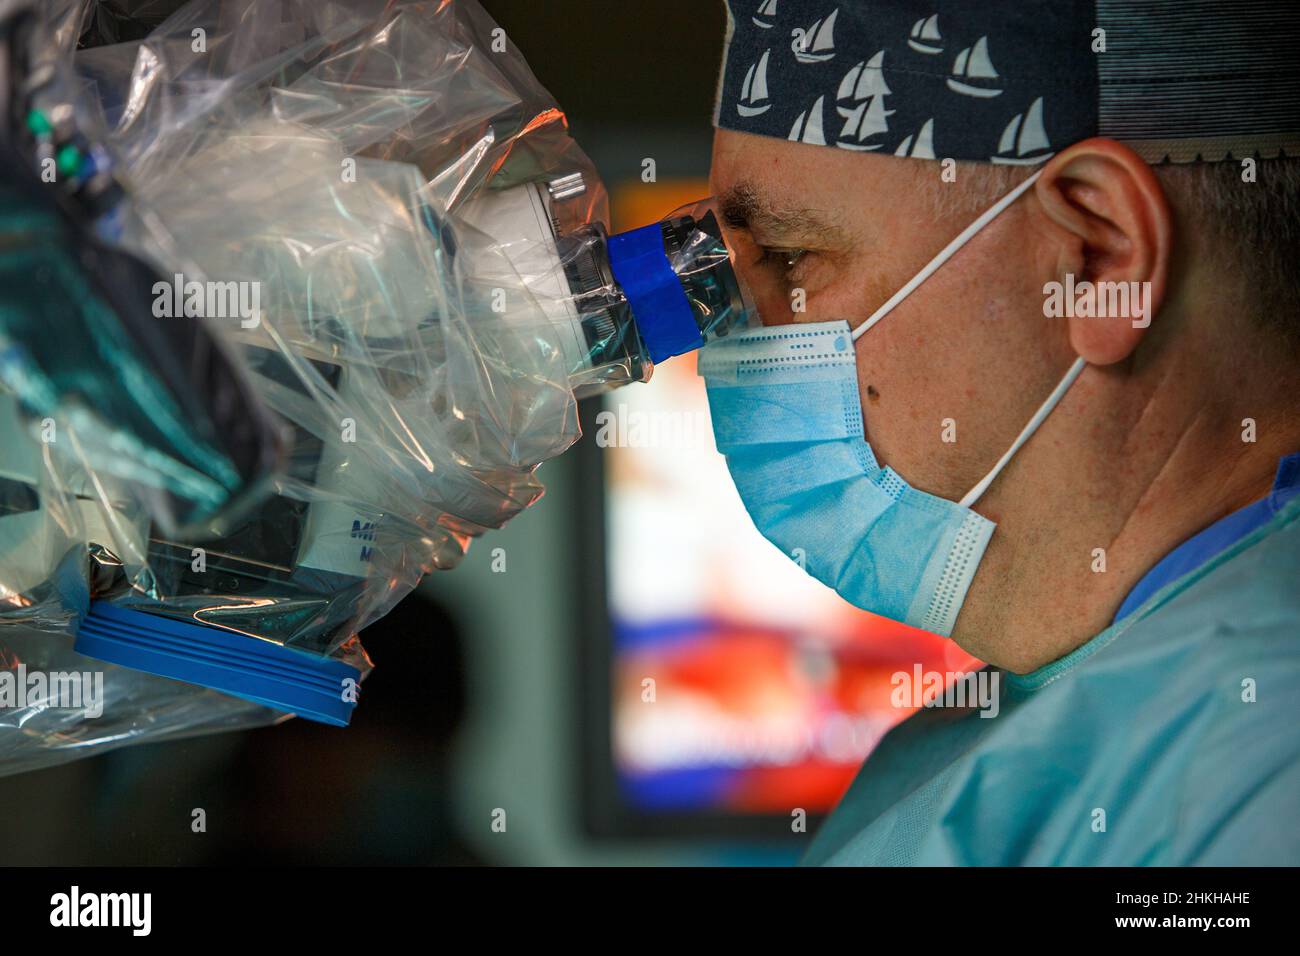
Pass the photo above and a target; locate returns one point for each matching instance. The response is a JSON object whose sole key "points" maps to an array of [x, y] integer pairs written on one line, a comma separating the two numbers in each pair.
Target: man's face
{"points": [[849, 229]]}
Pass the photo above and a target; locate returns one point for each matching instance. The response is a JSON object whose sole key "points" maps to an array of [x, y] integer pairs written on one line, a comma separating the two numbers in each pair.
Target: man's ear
{"points": [[1118, 229]]}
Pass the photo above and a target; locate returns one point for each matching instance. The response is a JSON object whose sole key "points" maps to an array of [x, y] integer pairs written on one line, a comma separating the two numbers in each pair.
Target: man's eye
{"points": [[783, 259]]}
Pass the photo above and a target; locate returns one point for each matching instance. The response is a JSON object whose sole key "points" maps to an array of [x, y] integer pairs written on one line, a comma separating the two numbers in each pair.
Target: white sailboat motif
{"points": [[973, 72], [817, 43], [765, 9], [808, 126], [1024, 141], [923, 147], [925, 36], [753, 95], [861, 101]]}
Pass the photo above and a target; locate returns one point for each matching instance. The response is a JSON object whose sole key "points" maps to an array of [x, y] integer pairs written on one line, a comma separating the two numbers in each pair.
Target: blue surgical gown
{"points": [[1171, 738]]}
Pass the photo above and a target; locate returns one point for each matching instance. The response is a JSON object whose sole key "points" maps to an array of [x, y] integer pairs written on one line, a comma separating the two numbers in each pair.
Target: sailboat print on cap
{"points": [[765, 9], [753, 95], [864, 90], [923, 148], [925, 36], [1024, 141], [808, 127], [817, 43], [973, 72]]}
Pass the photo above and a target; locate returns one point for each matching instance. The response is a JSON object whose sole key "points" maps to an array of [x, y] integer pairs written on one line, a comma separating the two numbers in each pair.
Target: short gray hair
{"points": [[1257, 226]]}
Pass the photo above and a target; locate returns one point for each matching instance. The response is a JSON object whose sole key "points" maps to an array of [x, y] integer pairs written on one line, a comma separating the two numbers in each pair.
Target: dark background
{"points": [[636, 80]]}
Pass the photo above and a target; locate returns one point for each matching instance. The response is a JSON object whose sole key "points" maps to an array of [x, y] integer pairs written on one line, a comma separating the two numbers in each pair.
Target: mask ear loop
{"points": [[946, 253], [1040, 416]]}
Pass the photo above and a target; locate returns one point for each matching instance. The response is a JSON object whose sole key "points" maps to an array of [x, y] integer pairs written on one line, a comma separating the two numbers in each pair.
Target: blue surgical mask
{"points": [[788, 417]]}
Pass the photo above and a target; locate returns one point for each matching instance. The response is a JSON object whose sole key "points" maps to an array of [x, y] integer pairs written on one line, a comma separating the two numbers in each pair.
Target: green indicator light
{"points": [[38, 123], [69, 160]]}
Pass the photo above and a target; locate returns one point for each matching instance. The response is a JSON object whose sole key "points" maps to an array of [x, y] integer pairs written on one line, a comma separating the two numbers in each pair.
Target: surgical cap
{"points": [[1013, 81]]}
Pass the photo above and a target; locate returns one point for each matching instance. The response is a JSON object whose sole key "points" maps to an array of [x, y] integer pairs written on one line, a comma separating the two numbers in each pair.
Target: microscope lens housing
{"points": [[622, 302]]}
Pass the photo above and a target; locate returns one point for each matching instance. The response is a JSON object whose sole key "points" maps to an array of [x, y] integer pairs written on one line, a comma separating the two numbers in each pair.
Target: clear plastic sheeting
{"points": [[298, 173], [164, 405]]}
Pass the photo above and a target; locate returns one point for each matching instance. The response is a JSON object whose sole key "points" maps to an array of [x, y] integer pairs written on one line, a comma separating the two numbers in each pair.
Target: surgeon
{"points": [[1028, 375]]}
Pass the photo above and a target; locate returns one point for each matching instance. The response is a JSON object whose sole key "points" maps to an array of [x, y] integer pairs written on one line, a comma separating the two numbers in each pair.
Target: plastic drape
{"points": [[303, 165]]}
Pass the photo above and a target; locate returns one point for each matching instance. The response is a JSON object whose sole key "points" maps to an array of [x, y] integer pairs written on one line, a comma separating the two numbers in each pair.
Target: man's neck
{"points": [[1063, 560]]}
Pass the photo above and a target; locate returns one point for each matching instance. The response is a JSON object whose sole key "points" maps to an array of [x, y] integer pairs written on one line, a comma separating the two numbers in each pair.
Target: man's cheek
{"points": [[772, 304], [795, 304]]}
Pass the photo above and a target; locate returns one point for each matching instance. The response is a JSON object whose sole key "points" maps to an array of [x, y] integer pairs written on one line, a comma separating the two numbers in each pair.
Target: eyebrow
{"points": [[746, 207]]}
